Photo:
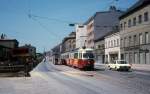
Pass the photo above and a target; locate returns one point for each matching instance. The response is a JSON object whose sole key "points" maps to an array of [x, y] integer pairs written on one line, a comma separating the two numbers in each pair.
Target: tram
{"points": [[81, 58]]}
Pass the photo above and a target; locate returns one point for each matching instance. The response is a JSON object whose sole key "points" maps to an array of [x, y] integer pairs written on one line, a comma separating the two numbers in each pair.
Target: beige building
{"points": [[69, 43], [90, 34], [135, 33]]}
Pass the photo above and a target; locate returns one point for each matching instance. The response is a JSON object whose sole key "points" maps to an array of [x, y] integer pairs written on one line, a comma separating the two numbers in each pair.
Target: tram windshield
{"points": [[88, 55]]}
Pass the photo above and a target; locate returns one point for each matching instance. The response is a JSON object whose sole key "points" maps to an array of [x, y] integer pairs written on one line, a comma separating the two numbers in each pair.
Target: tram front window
{"points": [[88, 55]]}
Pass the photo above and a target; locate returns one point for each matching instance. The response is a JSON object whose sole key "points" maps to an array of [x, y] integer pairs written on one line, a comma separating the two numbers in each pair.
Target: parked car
{"points": [[119, 65]]}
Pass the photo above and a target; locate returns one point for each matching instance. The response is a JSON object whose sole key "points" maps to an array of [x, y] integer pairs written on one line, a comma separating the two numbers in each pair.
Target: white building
{"points": [[81, 35], [112, 47]]}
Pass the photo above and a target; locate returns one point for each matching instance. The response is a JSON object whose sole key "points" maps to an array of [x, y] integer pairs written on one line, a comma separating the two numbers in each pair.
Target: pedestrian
{"points": [[44, 59]]}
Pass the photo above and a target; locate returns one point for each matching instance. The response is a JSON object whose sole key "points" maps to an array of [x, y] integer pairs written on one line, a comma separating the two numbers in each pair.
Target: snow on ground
{"points": [[47, 78]]}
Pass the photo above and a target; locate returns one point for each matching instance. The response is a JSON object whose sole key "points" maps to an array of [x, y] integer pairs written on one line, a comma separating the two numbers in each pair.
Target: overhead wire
{"points": [[34, 18], [44, 27], [52, 19]]}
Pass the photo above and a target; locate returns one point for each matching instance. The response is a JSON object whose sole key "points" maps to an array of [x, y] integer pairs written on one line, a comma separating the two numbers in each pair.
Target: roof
{"points": [[56, 47], [72, 33], [107, 34], [8, 40], [66, 38], [137, 6], [91, 18], [27, 46]]}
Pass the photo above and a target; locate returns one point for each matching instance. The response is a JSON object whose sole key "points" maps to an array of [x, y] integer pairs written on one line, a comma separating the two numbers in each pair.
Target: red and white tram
{"points": [[81, 58]]}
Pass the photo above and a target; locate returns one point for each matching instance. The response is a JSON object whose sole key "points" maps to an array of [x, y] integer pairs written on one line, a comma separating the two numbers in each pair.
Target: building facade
{"points": [[81, 35], [102, 23], [135, 33], [55, 54], [100, 50], [6, 46], [31, 49], [10, 43], [5, 53], [112, 47], [69, 43]]}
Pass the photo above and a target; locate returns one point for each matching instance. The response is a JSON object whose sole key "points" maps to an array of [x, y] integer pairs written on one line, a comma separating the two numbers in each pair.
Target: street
{"points": [[47, 78]]}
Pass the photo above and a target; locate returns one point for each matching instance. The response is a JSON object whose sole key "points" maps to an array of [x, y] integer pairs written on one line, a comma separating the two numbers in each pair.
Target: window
{"points": [[134, 21], [88, 55], [142, 58], [141, 38], [121, 42], [140, 19], [146, 38], [125, 40], [121, 26], [124, 25], [114, 43], [117, 42], [135, 58], [129, 40], [105, 44], [147, 58], [76, 55], [129, 23], [146, 16], [134, 40], [111, 43]]}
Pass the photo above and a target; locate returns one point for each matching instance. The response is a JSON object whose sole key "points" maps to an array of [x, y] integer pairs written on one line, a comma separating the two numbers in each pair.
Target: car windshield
{"points": [[88, 55], [121, 62]]}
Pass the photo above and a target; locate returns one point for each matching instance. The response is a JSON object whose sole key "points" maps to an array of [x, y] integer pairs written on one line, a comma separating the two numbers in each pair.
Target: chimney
{"points": [[112, 8]]}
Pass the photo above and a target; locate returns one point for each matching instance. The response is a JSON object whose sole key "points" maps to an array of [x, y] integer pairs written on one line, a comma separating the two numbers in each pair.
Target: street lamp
{"points": [[73, 24]]}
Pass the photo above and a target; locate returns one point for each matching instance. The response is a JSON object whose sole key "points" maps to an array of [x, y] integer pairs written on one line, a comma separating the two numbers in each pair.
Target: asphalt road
{"points": [[47, 78]]}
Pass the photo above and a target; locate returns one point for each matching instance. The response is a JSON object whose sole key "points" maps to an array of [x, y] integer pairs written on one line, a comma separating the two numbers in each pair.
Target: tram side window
{"points": [[75, 55]]}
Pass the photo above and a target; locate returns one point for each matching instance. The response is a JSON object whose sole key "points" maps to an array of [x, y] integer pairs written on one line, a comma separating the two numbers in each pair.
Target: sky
{"points": [[50, 23]]}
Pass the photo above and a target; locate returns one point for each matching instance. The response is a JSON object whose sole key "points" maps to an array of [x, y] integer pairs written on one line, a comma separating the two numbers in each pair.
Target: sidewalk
{"points": [[100, 66], [137, 67], [141, 67]]}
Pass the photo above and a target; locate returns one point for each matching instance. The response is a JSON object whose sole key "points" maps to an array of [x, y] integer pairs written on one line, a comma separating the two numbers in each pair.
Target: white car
{"points": [[119, 65]]}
